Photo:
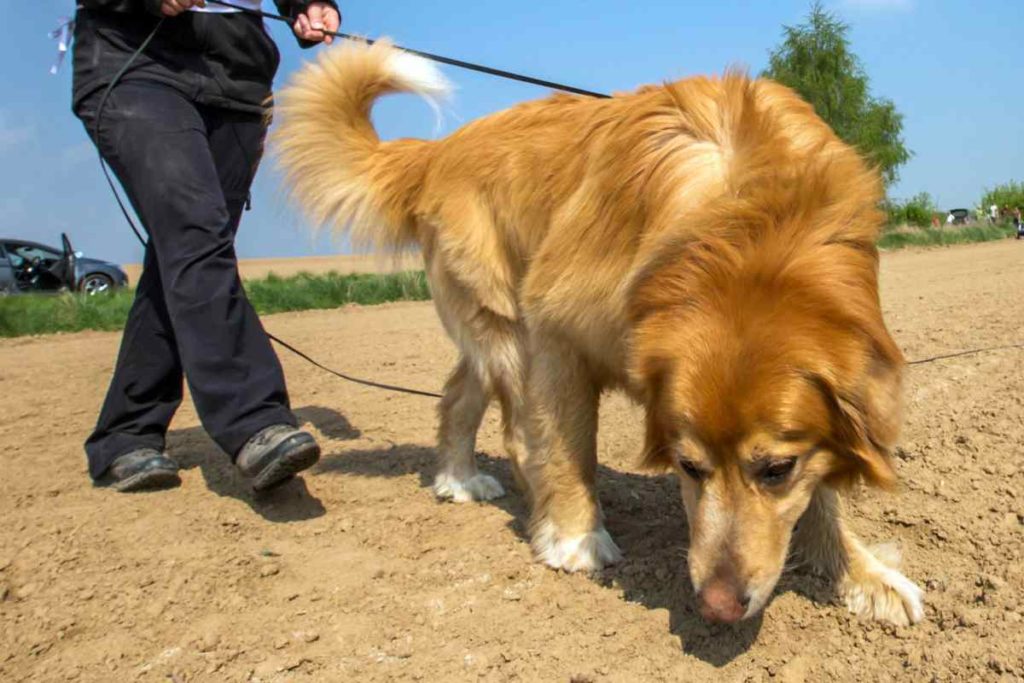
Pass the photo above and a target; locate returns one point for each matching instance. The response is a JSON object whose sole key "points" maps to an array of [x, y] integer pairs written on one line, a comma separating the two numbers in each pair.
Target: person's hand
{"points": [[172, 8], [318, 17]]}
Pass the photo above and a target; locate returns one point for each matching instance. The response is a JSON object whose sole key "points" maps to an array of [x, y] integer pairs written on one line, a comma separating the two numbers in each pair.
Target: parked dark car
{"points": [[960, 216], [32, 267]]}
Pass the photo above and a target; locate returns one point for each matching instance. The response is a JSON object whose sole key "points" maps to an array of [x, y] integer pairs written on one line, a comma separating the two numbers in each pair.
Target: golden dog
{"points": [[708, 246]]}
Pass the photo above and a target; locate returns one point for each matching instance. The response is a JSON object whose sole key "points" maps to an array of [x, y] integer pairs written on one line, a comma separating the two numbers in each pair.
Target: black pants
{"points": [[186, 169]]}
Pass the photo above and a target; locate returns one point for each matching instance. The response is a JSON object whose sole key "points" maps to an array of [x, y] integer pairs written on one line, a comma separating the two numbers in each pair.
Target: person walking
{"points": [[183, 130]]}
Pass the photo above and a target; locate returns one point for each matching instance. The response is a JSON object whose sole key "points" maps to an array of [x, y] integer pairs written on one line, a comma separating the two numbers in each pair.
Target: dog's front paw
{"points": [[477, 487], [877, 590], [580, 553]]}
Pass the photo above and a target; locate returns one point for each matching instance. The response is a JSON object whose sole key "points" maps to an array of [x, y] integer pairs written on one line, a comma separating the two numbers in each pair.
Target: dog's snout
{"points": [[722, 601]]}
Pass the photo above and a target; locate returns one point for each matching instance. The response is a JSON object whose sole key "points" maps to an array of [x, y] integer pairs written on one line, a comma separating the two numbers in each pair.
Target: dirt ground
{"points": [[356, 573]]}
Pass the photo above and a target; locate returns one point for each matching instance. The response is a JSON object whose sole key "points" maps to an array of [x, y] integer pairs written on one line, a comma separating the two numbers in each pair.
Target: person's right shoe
{"points": [[144, 469], [276, 454]]}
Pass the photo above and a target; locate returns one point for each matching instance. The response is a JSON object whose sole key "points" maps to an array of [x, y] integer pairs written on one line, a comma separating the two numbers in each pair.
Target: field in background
{"points": [[300, 284], [254, 269]]}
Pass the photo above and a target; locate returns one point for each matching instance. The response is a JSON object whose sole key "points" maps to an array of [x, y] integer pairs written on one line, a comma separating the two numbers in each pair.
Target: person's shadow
{"points": [[645, 516], [290, 502]]}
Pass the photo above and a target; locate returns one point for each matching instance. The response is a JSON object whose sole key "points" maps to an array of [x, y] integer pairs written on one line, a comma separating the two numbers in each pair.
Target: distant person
{"points": [[183, 130], [993, 214], [1018, 223], [950, 218]]}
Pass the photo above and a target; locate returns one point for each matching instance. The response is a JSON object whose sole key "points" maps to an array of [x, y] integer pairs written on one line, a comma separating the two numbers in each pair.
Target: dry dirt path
{"points": [[355, 572]]}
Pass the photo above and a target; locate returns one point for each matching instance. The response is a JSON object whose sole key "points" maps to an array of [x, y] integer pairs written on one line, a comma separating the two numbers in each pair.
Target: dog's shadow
{"points": [[643, 513], [290, 502]]}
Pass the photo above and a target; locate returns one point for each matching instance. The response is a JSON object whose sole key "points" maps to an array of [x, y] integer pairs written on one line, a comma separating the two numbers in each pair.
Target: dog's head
{"points": [[765, 375]]}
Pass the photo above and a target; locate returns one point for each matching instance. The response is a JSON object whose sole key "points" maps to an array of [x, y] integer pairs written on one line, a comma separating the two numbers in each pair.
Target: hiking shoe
{"points": [[276, 454], [144, 469]]}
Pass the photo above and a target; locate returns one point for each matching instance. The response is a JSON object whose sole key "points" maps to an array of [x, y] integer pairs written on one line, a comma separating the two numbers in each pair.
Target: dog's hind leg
{"points": [[513, 426], [507, 377], [567, 526], [867, 579], [462, 409]]}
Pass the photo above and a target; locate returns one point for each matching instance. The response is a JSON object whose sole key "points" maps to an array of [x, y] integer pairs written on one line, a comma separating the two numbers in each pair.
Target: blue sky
{"points": [[954, 68]]}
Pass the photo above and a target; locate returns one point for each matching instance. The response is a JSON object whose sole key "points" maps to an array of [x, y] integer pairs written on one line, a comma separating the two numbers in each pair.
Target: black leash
{"points": [[99, 117], [964, 353], [124, 211], [444, 60], [501, 73], [364, 382]]}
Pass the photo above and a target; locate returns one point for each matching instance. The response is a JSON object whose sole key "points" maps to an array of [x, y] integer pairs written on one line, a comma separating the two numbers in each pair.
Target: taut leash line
{"points": [[501, 73]]}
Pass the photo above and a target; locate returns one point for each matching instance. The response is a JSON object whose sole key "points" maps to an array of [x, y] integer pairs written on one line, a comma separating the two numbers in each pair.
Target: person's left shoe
{"points": [[276, 454], [144, 469]]}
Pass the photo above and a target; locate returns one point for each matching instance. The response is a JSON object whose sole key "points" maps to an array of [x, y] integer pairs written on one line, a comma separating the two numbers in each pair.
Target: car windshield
{"points": [[22, 253]]}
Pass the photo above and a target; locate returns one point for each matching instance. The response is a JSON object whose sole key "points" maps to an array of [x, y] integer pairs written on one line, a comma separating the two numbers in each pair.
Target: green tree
{"points": [[918, 210], [815, 59]]}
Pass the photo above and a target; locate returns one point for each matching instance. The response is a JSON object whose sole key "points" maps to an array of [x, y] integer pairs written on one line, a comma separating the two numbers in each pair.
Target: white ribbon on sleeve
{"points": [[62, 34]]}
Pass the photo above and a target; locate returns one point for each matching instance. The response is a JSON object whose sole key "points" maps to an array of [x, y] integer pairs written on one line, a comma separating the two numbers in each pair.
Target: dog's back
{"points": [[520, 201]]}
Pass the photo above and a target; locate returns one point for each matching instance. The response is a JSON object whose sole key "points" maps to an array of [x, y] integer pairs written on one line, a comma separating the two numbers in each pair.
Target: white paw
{"points": [[477, 487], [586, 552], [880, 592]]}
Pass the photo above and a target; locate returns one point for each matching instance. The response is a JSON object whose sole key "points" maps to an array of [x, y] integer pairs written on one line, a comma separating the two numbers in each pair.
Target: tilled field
{"points": [[356, 573]]}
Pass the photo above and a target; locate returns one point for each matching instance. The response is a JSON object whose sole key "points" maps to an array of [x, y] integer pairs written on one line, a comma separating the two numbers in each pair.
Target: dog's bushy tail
{"points": [[338, 170]]}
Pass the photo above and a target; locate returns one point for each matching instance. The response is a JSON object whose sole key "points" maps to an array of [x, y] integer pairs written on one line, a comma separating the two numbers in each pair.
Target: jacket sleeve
{"points": [[150, 6], [293, 8]]}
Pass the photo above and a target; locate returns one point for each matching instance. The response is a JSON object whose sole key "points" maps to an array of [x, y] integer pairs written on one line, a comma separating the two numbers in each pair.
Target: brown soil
{"points": [[356, 573]]}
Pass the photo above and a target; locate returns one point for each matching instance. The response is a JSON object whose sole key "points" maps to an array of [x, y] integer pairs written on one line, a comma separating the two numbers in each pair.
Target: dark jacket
{"points": [[226, 60]]}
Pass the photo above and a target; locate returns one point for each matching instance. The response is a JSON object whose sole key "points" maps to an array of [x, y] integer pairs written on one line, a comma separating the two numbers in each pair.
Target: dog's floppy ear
{"points": [[865, 424], [657, 452]]}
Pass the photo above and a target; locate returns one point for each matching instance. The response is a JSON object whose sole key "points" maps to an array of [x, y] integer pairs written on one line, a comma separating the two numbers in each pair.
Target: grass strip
{"points": [[935, 237], [43, 313]]}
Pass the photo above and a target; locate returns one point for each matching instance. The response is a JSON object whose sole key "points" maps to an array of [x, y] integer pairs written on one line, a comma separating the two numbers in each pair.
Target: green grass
{"points": [[933, 237], [304, 292], [43, 314]]}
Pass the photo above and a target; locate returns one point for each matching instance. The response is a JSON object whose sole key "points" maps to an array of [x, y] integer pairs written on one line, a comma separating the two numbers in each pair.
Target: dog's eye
{"points": [[692, 470], [774, 472]]}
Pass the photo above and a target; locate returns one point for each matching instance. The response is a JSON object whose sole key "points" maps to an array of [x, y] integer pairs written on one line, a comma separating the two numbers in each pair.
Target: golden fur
{"points": [[705, 245]]}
